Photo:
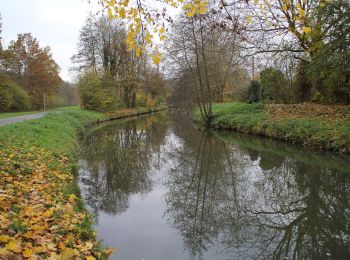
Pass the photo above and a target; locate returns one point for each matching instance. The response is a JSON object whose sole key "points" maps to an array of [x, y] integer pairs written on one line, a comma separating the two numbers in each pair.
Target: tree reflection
{"points": [[116, 160], [256, 204]]}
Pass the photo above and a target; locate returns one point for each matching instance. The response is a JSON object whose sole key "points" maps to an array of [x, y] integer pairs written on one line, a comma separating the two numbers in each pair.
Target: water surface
{"points": [[160, 189]]}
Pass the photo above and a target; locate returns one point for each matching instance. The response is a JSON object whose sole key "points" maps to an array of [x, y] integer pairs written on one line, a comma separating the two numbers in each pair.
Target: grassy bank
{"points": [[326, 127], [41, 213]]}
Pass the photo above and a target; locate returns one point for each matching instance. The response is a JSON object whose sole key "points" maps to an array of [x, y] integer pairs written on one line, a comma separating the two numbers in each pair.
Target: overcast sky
{"points": [[55, 23]]}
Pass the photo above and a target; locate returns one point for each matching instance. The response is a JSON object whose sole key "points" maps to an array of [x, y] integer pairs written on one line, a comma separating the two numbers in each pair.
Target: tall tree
{"points": [[208, 53], [33, 67]]}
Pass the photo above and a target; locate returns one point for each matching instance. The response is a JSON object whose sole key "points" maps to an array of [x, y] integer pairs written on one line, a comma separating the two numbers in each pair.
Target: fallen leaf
{"points": [[27, 252], [72, 198], [13, 246]]}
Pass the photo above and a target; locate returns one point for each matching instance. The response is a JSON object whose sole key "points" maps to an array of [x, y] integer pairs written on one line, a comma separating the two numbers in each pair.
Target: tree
{"points": [[329, 71], [273, 85], [254, 92], [33, 67], [154, 86], [0, 35], [97, 93], [206, 53], [86, 57], [102, 50], [69, 93], [12, 96], [145, 22]]}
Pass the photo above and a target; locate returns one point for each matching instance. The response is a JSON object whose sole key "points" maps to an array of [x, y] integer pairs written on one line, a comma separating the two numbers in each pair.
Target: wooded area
{"points": [[283, 51], [29, 76], [111, 75]]}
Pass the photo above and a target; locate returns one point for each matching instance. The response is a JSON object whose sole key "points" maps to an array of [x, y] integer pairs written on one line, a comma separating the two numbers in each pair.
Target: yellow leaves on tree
{"points": [[306, 29], [195, 7], [145, 26], [156, 57], [122, 13]]}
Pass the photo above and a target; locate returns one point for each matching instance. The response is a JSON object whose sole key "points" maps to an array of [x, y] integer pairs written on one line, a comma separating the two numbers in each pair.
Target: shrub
{"points": [[274, 86], [97, 93], [254, 92]]}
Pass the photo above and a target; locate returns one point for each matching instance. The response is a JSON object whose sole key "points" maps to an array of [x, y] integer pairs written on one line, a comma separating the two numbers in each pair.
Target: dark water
{"points": [[161, 190]]}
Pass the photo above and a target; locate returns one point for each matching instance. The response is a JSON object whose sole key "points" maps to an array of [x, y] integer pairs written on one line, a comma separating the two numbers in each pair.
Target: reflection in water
{"points": [[224, 195], [117, 159]]}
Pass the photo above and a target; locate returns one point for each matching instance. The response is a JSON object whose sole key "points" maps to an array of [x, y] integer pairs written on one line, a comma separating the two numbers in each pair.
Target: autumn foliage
{"points": [[41, 213], [32, 67]]}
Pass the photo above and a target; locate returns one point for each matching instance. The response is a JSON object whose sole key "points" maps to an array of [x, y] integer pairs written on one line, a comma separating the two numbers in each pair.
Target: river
{"points": [[160, 189]]}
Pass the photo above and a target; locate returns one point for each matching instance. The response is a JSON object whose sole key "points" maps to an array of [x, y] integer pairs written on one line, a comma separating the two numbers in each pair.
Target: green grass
{"points": [[253, 119], [56, 132]]}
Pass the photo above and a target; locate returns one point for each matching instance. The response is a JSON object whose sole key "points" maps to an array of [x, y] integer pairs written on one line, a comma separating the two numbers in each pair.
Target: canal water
{"points": [[160, 189]]}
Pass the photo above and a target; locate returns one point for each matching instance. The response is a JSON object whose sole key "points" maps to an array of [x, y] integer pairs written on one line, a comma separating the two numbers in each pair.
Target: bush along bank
{"points": [[325, 127], [41, 212]]}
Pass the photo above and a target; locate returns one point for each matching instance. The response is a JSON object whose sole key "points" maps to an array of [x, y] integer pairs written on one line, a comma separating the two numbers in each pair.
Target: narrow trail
{"points": [[16, 119]]}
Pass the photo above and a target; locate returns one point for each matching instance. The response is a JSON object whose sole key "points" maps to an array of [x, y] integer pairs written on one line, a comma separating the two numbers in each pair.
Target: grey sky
{"points": [[55, 23]]}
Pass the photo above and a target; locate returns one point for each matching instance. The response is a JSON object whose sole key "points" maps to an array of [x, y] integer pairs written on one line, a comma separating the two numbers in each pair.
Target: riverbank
{"points": [[319, 126], [41, 212]]}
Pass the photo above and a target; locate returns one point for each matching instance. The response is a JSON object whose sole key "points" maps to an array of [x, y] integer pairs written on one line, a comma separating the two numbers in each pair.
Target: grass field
{"points": [[326, 127]]}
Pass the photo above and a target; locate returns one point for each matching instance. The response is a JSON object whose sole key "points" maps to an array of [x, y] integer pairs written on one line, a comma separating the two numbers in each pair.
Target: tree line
{"points": [[29, 77], [279, 52], [110, 74], [282, 51]]}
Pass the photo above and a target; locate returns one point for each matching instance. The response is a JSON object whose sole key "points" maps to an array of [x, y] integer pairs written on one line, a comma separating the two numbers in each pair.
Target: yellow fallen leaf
{"points": [[62, 246], [48, 213], [72, 198], [68, 253], [13, 246], [90, 258], [3, 251], [27, 252], [4, 238], [39, 249]]}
